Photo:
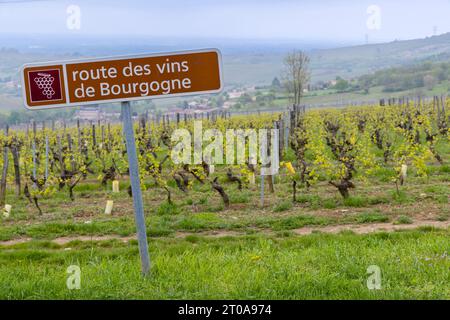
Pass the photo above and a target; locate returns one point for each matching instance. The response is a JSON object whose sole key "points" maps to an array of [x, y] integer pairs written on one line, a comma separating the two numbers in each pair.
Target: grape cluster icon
{"points": [[45, 82]]}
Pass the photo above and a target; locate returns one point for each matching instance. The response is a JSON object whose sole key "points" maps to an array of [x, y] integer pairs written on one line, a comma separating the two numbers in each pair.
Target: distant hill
{"points": [[355, 61], [261, 67]]}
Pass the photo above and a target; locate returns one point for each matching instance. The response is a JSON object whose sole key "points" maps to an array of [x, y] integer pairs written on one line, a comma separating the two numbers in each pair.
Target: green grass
{"points": [[356, 201], [442, 199], [445, 169], [403, 220], [199, 221], [157, 225], [240, 197], [372, 217], [329, 204], [436, 189], [414, 265], [282, 206], [299, 221], [168, 208], [312, 200], [50, 230], [401, 197]]}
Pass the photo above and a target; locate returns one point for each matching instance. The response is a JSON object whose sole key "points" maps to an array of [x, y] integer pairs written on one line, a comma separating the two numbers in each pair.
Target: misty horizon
{"points": [[342, 22]]}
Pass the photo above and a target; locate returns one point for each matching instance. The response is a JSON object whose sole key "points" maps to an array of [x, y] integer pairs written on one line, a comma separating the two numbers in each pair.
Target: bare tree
{"points": [[296, 74]]}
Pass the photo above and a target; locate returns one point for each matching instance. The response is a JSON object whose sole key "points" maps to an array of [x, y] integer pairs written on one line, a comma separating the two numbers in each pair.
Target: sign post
{"points": [[123, 79], [135, 186]]}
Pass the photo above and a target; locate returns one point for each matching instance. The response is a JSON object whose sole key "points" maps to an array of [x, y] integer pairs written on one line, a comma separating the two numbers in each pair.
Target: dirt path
{"points": [[373, 227], [356, 228], [65, 240]]}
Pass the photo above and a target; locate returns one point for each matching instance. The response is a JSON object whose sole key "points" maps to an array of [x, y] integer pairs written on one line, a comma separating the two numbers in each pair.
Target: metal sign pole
{"points": [[136, 187], [46, 158]]}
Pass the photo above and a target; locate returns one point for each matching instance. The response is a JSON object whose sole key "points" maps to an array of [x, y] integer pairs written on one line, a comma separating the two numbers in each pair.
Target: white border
{"points": [[125, 57]]}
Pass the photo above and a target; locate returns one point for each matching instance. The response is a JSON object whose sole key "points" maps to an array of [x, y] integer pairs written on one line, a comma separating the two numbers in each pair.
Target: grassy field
{"points": [[414, 265], [317, 248]]}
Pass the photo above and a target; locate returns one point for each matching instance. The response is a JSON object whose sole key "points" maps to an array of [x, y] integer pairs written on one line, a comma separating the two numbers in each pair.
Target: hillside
{"points": [[358, 60], [258, 64], [348, 62]]}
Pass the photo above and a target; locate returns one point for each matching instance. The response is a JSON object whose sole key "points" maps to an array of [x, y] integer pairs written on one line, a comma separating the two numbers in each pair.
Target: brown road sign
{"points": [[118, 79]]}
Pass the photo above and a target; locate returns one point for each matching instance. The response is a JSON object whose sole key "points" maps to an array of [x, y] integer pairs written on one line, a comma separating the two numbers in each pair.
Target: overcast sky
{"points": [[336, 20]]}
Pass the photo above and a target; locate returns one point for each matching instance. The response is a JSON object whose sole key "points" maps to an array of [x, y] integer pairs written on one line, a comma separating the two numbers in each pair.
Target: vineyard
{"points": [[347, 177]]}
